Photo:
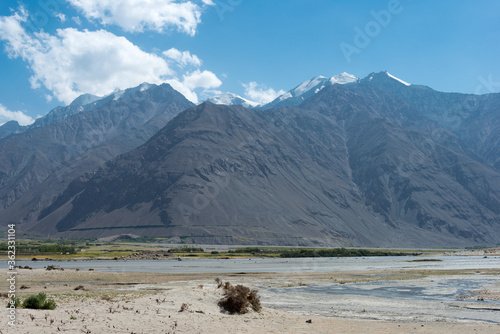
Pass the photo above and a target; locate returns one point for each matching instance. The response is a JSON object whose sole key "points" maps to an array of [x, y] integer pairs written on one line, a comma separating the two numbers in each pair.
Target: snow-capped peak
{"points": [[314, 85], [118, 93], [84, 99], [397, 79], [231, 99], [309, 88], [308, 85], [343, 78]]}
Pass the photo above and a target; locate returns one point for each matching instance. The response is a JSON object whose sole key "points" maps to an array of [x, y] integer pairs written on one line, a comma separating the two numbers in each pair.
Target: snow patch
{"points": [[144, 86], [397, 79], [308, 85], [230, 99], [343, 78], [118, 94], [315, 85], [285, 96]]}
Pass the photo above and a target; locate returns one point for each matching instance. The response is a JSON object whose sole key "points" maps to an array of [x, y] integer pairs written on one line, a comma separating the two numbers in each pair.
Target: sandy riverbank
{"points": [[150, 303]]}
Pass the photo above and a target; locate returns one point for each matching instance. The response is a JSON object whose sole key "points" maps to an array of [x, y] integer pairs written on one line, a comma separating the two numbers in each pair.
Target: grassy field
{"points": [[72, 249], [91, 249]]}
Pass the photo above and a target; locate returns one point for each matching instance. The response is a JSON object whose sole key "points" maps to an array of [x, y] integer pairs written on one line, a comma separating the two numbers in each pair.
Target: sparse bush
{"points": [[251, 250], [17, 302], [39, 302], [187, 250], [238, 299], [56, 249]]}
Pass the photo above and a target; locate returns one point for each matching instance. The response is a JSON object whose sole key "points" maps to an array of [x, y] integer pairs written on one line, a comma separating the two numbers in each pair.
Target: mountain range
{"points": [[37, 164], [336, 161]]}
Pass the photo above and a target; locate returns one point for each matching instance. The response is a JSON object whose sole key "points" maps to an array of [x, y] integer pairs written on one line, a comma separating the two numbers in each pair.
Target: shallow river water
{"points": [[274, 265]]}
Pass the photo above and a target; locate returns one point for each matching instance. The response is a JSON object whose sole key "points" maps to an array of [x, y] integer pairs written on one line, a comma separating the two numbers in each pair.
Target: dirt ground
{"points": [[151, 303]]}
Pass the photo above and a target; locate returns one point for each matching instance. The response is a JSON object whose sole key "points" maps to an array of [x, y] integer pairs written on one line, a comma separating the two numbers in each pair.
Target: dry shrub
{"points": [[107, 298], [238, 299], [184, 307]]}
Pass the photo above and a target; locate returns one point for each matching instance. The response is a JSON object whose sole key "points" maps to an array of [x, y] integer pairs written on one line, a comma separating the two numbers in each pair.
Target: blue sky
{"points": [[53, 50]]}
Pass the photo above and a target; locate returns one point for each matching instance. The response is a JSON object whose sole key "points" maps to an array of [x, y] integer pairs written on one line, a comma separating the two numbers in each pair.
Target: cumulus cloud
{"points": [[183, 58], [73, 62], [137, 16], [260, 93], [198, 79], [7, 115], [181, 88]]}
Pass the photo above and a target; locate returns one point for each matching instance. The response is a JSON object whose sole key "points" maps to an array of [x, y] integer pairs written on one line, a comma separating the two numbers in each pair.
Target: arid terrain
{"points": [[152, 303]]}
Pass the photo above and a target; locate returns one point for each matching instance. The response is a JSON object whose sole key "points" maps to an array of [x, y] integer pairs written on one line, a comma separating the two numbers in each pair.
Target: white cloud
{"points": [[260, 93], [181, 88], [12, 31], [137, 16], [73, 62], [61, 17], [7, 115], [198, 79], [77, 20], [182, 58]]}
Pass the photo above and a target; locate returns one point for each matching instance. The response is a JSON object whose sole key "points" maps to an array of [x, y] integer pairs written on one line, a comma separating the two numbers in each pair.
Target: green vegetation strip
{"points": [[339, 252], [117, 227], [89, 248], [40, 249]]}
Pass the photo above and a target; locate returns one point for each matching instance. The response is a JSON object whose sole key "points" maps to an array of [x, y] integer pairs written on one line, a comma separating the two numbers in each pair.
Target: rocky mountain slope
{"points": [[474, 119], [361, 165], [35, 166]]}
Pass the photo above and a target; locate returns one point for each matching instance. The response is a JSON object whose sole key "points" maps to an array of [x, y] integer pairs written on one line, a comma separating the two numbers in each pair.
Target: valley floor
{"points": [[332, 301]]}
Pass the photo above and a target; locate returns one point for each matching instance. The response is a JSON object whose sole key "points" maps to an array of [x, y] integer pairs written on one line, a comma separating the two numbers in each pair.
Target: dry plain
{"points": [[292, 302]]}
